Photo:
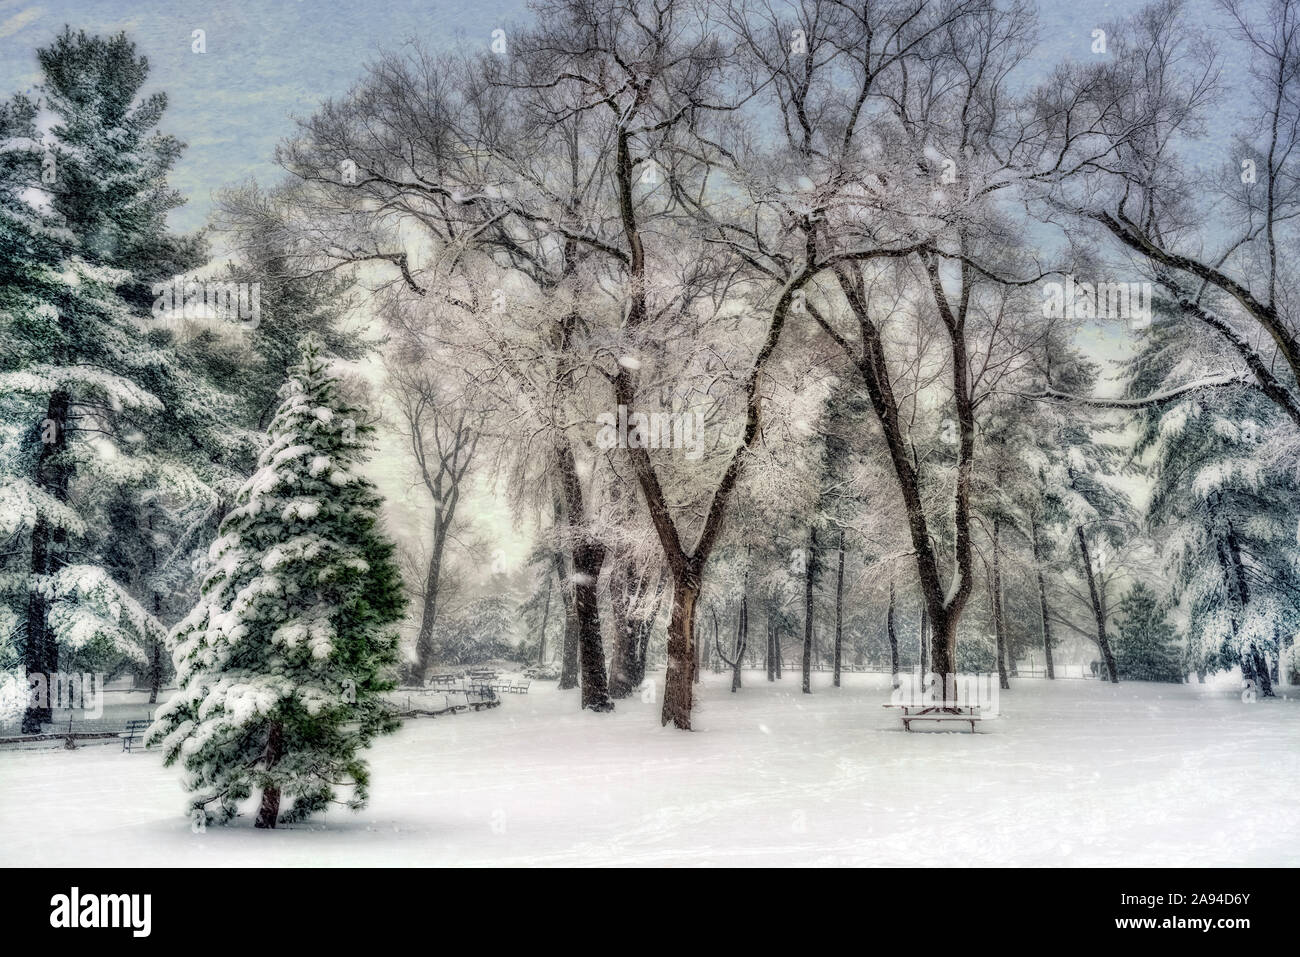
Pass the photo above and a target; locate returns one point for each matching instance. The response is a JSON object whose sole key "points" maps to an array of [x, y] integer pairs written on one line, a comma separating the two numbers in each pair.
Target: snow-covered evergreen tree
{"points": [[95, 405], [282, 663], [1070, 500], [483, 630], [1146, 648], [1226, 498]]}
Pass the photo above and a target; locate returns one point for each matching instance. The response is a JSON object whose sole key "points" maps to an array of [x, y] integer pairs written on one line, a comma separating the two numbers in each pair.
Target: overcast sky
{"points": [[270, 60]]}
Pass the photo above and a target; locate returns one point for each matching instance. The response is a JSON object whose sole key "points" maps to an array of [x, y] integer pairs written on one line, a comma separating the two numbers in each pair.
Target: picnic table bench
{"points": [[478, 682], [940, 713], [134, 729]]}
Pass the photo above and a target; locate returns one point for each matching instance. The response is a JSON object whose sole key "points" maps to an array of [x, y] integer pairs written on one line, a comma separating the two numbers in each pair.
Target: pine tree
{"points": [[282, 663], [1226, 498], [483, 630], [1147, 646], [97, 409], [1051, 477]]}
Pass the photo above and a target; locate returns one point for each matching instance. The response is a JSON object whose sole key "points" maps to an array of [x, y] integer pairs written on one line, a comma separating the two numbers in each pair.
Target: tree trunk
{"points": [[569, 650], [48, 548], [40, 652], [893, 638], [742, 642], [1234, 572], [627, 662], [546, 620], [588, 557], [996, 596], [1042, 600], [432, 577], [678, 680], [155, 655], [1239, 572], [645, 628], [155, 672], [155, 651], [1000, 642], [809, 583], [269, 811], [839, 612], [587, 560], [776, 650], [943, 645], [1098, 607], [771, 644], [923, 639], [621, 659], [631, 632]]}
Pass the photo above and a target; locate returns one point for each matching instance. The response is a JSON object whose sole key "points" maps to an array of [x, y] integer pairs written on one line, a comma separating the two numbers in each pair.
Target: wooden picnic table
{"points": [[939, 712]]}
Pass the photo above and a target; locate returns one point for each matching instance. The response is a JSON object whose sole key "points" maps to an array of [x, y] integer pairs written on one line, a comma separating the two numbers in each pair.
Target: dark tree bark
{"points": [[995, 601], [1042, 598], [738, 650], [893, 638], [1253, 662], [776, 650], [839, 612], [546, 620], [924, 629], [1098, 608], [742, 641], [587, 560], [809, 584], [155, 650], [268, 813], [569, 650], [155, 653], [48, 555], [679, 679], [622, 598], [632, 630], [771, 643], [429, 606]]}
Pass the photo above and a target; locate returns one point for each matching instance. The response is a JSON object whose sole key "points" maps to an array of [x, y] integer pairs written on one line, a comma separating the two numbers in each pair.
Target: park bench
{"points": [[480, 696], [939, 713], [134, 729], [444, 681], [520, 687]]}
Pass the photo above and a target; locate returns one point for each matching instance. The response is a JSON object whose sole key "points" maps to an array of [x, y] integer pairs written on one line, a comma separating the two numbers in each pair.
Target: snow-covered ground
{"points": [[1073, 772]]}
